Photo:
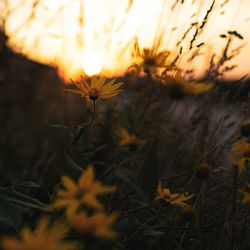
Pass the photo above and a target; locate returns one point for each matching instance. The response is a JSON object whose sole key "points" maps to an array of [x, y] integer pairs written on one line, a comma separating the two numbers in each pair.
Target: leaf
{"points": [[72, 164], [235, 33], [30, 184], [17, 198], [12, 206], [10, 215], [61, 127], [150, 172]]}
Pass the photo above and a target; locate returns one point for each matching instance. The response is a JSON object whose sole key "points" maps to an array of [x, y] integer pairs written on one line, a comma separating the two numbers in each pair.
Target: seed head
{"points": [[204, 171]]}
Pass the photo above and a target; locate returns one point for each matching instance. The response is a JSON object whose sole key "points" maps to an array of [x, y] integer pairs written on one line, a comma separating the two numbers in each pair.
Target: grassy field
{"points": [[166, 148]]}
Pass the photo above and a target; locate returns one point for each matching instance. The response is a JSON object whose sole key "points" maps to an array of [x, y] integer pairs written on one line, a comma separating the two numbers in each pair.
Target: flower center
{"points": [[150, 61], [79, 194], [166, 196], [93, 94]]}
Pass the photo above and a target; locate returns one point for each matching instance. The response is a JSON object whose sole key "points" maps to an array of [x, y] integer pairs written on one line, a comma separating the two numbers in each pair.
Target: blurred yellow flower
{"points": [[97, 225], [83, 192], [241, 154], [179, 87], [246, 195], [127, 139], [43, 238], [173, 199], [151, 60], [97, 89]]}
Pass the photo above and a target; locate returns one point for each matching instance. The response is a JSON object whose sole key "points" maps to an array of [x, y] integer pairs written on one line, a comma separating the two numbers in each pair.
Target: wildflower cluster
{"points": [[154, 167], [71, 198]]}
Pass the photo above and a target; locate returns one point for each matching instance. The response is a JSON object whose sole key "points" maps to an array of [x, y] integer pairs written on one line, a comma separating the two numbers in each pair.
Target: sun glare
{"points": [[77, 37], [92, 64]]}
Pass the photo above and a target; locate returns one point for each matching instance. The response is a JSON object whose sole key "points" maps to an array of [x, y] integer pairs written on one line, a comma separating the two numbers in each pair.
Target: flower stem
{"points": [[80, 129]]}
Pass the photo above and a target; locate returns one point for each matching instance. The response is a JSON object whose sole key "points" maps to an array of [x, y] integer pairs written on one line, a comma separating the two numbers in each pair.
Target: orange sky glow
{"points": [[97, 36]]}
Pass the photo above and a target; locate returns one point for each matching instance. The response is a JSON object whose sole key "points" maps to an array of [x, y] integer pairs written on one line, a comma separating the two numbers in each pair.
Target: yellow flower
{"points": [[82, 192], [97, 225], [241, 154], [246, 195], [43, 238], [173, 199], [178, 87], [127, 139], [97, 89], [151, 60]]}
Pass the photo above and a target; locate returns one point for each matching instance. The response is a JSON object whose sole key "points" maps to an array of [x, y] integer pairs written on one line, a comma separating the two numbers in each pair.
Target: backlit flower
{"points": [[83, 192], [178, 87], [150, 59], [98, 225], [96, 89], [241, 154], [43, 238], [173, 199], [127, 139]]}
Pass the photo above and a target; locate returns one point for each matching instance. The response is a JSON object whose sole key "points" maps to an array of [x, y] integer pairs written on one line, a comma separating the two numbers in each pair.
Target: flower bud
{"points": [[204, 171]]}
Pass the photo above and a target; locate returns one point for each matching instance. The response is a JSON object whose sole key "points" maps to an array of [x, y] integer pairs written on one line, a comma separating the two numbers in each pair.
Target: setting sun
{"points": [[92, 64], [97, 37]]}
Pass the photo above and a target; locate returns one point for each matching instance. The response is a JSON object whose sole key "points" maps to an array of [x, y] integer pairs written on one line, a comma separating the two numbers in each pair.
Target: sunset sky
{"points": [[97, 36]]}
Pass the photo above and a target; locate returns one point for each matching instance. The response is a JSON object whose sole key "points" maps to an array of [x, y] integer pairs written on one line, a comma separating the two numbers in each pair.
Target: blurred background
{"points": [[44, 43]]}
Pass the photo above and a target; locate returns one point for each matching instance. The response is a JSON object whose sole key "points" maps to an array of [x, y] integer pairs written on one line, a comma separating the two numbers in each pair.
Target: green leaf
{"points": [[10, 215], [19, 199], [61, 127], [29, 184], [12, 206], [72, 164]]}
